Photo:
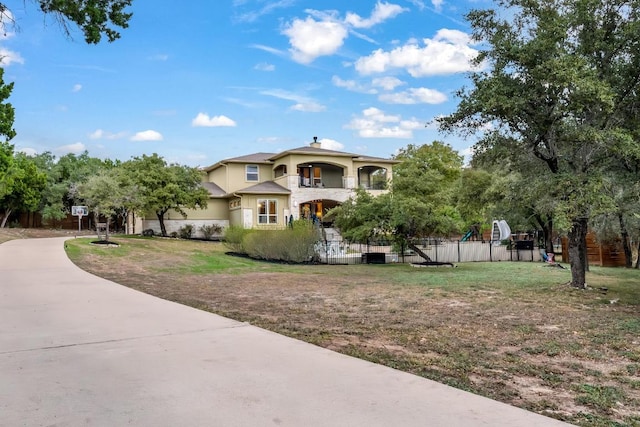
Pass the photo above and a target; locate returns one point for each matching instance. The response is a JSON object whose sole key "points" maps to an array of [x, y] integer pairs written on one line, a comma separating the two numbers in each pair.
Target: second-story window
{"points": [[252, 173]]}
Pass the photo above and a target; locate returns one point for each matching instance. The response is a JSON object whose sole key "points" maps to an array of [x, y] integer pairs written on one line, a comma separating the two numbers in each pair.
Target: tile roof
{"points": [[267, 187], [213, 189]]}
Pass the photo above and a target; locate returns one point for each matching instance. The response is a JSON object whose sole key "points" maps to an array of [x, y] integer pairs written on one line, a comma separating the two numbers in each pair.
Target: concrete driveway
{"points": [[79, 350]]}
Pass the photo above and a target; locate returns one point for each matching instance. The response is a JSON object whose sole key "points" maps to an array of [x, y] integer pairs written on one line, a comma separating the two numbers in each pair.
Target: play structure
{"points": [[500, 230]]}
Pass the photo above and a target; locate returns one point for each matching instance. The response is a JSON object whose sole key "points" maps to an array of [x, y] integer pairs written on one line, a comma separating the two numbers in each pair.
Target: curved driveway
{"points": [[79, 350]]}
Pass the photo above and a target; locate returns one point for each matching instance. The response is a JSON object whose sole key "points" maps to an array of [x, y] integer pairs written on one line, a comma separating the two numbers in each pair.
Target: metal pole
{"points": [[79, 223]]}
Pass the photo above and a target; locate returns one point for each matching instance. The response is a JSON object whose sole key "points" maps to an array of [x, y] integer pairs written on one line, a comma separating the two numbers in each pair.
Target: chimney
{"points": [[315, 143]]}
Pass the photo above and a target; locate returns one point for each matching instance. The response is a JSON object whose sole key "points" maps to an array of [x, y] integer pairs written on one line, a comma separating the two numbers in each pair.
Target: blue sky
{"points": [[202, 80]]}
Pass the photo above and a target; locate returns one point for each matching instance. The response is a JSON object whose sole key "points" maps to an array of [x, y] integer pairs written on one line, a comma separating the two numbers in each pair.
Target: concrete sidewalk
{"points": [[79, 350]]}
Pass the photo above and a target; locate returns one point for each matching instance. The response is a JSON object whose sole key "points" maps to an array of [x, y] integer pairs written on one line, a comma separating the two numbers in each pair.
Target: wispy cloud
{"points": [[76, 148], [253, 15], [101, 134], [159, 57], [76, 87], [421, 95], [302, 102], [263, 66]]}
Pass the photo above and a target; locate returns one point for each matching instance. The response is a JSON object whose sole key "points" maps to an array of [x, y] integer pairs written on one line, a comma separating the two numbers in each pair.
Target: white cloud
{"points": [[147, 135], [101, 134], [447, 53], [352, 85], [263, 66], [76, 88], [387, 83], [28, 151], [437, 4], [8, 57], [308, 107], [421, 95], [7, 24], [76, 148], [381, 12], [331, 144], [374, 123], [203, 120], [310, 39]]}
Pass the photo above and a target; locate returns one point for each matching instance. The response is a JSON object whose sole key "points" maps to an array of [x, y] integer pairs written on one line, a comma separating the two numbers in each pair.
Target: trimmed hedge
{"points": [[294, 244]]}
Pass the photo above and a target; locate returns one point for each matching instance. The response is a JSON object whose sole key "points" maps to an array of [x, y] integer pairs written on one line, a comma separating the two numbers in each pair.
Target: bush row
{"points": [[293, 244]]}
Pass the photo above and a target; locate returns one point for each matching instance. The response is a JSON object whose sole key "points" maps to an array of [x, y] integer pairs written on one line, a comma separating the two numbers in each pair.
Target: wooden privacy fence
{"points": [[340, 252]]}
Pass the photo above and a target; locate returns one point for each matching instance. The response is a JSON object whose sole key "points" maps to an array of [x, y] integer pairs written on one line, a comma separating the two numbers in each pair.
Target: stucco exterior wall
{"points": [[217, 209], [238, 177], [219, 176], [174, 225], [250, 202]]}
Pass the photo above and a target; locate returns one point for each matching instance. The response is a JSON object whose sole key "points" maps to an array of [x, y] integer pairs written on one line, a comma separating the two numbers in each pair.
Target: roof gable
{"points": [[267, 187]]}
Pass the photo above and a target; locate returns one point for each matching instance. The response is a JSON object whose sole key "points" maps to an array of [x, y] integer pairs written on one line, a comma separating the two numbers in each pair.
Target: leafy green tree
{"points": [[111, 193], [64, 176], [165, 187], [420, 203], [6, 131], [95, 18], [429, 171], [27, 184], [559, 79]]}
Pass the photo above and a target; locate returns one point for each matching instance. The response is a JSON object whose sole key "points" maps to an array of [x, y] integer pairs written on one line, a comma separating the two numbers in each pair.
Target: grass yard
{"points": [[515, 332]]}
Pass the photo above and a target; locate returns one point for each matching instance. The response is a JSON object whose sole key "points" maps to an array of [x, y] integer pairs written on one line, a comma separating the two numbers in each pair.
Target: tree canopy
{"points": [[95, 18], [164, 187], [559, 80], [419, 205]]}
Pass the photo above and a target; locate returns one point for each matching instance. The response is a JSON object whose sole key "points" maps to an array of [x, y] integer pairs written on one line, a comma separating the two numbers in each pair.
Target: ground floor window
{"points": [[267, 211]]}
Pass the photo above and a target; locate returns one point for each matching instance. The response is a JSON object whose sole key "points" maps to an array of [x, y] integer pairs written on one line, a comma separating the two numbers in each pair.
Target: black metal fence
{"points": [[340, 252]]}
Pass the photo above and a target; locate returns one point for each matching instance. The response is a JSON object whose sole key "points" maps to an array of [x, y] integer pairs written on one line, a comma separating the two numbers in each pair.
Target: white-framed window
{"points": [[252, 173], [267, 211]]}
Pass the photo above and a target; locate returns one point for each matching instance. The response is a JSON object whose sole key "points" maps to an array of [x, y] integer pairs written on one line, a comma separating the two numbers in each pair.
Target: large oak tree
{"points": [[559, 79]]}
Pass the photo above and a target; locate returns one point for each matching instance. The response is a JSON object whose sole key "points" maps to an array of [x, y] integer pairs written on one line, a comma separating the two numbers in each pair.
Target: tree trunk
{"points": [[547, 232], [419, 251], [578, 252], [7, 213], [638, 259], [163, 228], [628, 261]]}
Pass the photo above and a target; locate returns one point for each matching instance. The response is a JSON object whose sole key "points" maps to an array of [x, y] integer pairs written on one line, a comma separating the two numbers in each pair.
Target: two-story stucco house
{"points": [[269, 189]]}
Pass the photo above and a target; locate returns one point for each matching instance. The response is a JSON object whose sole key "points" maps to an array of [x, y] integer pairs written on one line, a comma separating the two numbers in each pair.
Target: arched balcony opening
{"points": [[373, 178], [320, 175]]}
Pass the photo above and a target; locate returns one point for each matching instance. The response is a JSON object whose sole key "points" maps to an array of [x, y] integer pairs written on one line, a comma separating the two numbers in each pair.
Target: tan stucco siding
{"points": [[250, 201], [216, 209], [219, 177], [238, 177]]}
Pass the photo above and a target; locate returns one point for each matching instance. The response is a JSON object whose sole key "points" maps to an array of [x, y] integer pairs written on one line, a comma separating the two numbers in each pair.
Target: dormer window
{"points": [[252, 173]]}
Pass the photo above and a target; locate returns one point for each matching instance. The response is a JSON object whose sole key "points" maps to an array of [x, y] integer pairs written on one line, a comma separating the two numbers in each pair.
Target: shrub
{"points": [[148, 232], [186, 231], [234, 238], [210, 230], [295, 244], [173, 234]]}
